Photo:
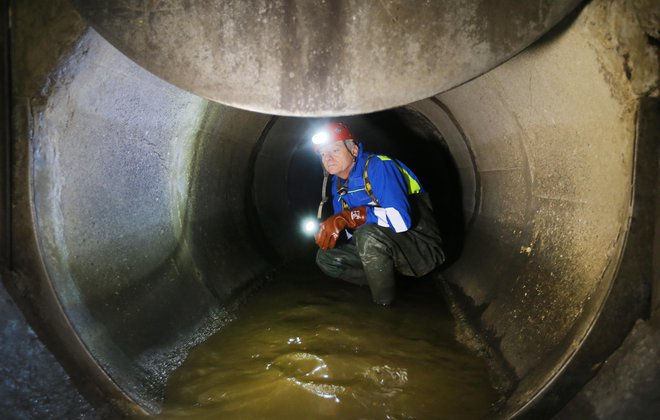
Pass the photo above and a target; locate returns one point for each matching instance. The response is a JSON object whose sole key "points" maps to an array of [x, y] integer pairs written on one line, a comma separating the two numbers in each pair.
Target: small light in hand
{"points": [[310, 226]]}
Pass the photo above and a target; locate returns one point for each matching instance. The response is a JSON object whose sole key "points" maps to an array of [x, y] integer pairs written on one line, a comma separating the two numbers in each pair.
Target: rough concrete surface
{"points": [[627, 385], [33, 385], [318, 58], [138, 213], [553, 137]]}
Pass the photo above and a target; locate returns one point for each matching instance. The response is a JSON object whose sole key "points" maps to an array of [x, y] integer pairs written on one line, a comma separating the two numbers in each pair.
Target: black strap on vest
{"points": [[367, 183], [342, 189]]}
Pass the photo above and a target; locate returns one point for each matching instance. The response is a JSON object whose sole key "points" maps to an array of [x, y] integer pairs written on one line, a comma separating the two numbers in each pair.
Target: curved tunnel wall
{"points": [[139, 201], [139, 207], [286, 188], [553, 139]]}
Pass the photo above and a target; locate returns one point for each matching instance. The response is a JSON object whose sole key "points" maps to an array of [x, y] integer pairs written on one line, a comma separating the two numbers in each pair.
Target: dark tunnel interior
{"points": [[141, 210], [402, 133]]}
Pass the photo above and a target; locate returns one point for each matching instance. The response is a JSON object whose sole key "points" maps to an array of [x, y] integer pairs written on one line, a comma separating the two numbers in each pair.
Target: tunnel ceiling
{"points": [[139, 214], [306, 58]]}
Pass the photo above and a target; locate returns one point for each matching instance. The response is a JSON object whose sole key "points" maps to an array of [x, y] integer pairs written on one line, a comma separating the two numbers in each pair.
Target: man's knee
{"points": [[341, 264], [337, 262], [326, 263]]}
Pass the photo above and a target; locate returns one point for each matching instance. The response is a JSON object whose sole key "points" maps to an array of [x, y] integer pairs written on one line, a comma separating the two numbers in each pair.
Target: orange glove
{"points": [[331, 227]]}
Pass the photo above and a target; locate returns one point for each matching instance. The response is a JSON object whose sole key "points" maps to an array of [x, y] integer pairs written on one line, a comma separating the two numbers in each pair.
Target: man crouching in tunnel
{"points": [[387, 216]]}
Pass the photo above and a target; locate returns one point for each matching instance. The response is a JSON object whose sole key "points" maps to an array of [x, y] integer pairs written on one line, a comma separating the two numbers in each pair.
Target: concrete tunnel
{"points": [[143, 202]]}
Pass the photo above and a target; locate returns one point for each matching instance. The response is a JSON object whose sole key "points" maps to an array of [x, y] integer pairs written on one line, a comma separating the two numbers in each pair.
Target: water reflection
{"points": [[310, 347]]}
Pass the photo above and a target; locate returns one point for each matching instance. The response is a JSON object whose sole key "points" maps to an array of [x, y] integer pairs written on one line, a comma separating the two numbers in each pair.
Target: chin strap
{"points": [[324, 195]]}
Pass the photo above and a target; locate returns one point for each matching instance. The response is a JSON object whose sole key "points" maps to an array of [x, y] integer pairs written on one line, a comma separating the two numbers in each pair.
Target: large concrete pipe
{"points": [[141, 213], [321, 58]]}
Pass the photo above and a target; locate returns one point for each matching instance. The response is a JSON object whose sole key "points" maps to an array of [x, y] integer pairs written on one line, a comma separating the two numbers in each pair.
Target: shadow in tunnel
{"points": [[409, 137], [401, 133], [536, 260], [284, 157]]}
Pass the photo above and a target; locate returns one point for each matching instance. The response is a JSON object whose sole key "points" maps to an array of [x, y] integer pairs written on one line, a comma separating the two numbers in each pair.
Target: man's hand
{"points": [[330, 228]]}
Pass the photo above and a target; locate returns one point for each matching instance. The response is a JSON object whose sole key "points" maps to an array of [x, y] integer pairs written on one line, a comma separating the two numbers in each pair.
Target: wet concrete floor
{"points": [[305, 346]]}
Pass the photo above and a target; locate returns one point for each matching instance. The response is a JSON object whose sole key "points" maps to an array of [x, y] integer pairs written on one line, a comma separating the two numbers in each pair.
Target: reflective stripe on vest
{"points": [[412, 185]]}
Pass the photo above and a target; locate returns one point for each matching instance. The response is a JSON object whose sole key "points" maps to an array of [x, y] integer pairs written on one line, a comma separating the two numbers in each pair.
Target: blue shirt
{"points": [[391, 183]]}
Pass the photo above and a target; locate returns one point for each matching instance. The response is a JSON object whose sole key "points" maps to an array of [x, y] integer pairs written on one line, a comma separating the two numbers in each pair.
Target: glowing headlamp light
{"points": [[320, 138], [310, 226]]}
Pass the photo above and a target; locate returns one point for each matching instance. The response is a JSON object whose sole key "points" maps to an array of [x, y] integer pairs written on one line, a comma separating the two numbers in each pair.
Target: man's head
{"points": [[337, 148]]}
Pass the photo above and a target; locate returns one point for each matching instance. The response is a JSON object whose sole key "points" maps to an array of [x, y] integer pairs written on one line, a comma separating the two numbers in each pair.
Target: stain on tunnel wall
{"points": [[132, 236]]}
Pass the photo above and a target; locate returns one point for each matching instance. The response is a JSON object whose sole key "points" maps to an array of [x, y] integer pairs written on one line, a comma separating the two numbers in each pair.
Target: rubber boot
{"points": [[376, 255]]}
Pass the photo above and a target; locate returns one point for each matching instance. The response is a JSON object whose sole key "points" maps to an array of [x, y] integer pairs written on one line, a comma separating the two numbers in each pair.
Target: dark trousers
{"points": [[375, 252]]}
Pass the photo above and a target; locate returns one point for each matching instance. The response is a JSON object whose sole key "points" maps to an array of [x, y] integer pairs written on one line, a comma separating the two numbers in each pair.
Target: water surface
{"points": [[308, 347]]}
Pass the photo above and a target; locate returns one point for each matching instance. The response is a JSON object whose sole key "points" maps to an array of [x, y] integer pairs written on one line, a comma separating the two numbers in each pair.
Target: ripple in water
{"points": [[309, 347]]}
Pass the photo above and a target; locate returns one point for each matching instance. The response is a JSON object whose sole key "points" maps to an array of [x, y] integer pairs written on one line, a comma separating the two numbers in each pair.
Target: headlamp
{"points": [[320, 138]]}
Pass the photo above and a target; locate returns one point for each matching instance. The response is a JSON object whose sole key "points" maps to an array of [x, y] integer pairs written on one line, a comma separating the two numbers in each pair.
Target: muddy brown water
{"points": [[308, 347]]}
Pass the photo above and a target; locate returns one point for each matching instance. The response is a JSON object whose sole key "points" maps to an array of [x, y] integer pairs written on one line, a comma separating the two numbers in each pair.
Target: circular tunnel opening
{"points": [[143, 215], [288, 175], [283, 187]]}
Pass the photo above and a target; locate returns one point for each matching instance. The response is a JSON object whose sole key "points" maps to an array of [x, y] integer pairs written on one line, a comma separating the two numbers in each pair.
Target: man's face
{"points": [[337, 159]]}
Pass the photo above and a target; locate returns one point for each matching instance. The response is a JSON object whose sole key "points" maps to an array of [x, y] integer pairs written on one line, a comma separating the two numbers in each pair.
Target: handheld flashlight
{"points": [[310, 226]]}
